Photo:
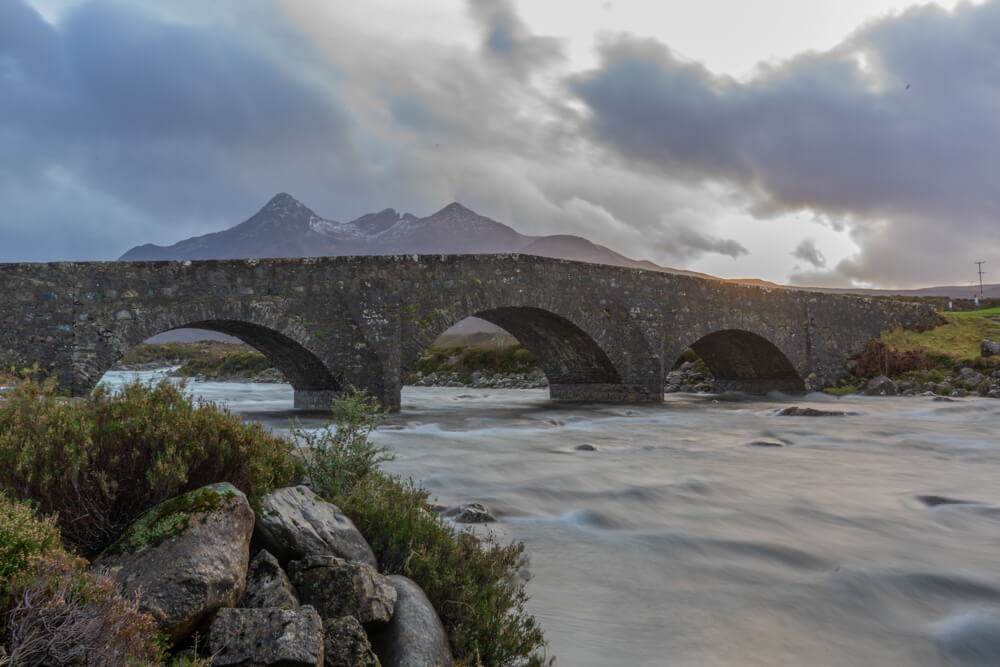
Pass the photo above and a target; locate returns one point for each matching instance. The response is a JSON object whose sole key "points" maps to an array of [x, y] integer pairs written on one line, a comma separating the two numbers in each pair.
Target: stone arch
{"points": [[742, 360], [284, 340], [583, 355]]}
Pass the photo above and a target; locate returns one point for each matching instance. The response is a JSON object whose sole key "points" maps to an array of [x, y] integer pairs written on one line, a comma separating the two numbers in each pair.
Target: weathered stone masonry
{"points": [[600, 333]]}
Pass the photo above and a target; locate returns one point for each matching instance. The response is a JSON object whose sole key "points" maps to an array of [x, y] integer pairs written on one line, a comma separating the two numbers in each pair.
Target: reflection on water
{"points": [[666, 535]]}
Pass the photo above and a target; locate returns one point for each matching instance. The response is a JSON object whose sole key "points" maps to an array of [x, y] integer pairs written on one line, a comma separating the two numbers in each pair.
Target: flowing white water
{"points": [[678, 542]]}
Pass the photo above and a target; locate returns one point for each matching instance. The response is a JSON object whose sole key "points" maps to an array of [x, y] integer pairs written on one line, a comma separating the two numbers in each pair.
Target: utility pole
{"points": [[979, 265]]}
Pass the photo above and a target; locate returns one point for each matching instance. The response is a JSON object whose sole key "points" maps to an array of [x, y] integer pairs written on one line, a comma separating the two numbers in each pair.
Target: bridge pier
{"points": [[603, 393]]}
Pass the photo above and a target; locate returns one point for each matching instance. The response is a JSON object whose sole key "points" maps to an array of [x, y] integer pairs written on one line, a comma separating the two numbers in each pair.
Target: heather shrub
{"points": [[471, 582], [23, 537], [880, 359], [65, 614], [100, 462]]}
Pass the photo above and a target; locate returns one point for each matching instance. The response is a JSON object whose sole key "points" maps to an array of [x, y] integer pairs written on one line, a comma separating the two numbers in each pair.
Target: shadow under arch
{"points": [[744, 361], [303, 369], [294, 352], [566, 354], [577, 366]]}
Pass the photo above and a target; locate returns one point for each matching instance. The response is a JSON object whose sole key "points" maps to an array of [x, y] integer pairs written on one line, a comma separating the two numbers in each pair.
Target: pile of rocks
{"points": [[687, 378], [480, 380], [964, 381], [311, 596]]}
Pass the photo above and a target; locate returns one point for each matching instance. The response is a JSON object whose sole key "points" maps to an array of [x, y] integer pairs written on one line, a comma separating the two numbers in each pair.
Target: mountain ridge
{"points": [[285, 227]]}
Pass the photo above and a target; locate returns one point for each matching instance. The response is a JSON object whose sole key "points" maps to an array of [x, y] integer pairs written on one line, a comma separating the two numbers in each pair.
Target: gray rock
{"points": [[347, 644], [341, 588], [971, 377], [295, 523], [414, 637], [470, 513], [267, 585], [796, 411], [880, 386], [989, 348], [943, 388], [278, 637], [188, 556]]}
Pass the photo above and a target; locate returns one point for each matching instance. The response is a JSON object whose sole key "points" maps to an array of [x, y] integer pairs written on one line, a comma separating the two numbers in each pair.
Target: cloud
{"points": [[807, 250], [125, 123], [164, 123], [894, 126], [510, 41]]}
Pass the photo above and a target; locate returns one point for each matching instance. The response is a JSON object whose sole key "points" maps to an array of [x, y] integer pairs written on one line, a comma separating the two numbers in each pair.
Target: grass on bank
{"points": [[467, 359], [955, 341], [87, 467]]}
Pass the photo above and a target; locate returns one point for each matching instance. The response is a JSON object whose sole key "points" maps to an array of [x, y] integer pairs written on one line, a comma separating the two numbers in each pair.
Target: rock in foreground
{"points": [[188, 556], [414, 637], [295, 523], [347, 644], [267, 585], [339, 588], [266, 637]]}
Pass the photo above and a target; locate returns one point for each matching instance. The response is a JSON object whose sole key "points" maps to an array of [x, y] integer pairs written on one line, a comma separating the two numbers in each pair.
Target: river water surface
{"points": [[676, 541]]}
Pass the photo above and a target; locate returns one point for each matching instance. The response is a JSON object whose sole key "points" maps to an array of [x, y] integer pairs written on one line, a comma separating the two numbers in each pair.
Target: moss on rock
{"points": [[172, 517]]}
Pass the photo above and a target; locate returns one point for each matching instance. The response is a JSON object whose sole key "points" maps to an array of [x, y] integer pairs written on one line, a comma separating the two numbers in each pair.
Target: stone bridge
{"points": [[600, 333]]}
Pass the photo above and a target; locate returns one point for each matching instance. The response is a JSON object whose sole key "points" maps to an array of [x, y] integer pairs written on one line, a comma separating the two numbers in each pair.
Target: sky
{"points": [[808, 142]]}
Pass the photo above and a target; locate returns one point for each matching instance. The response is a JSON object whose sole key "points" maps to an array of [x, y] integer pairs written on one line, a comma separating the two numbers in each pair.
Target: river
{"points": [[674, 540]]}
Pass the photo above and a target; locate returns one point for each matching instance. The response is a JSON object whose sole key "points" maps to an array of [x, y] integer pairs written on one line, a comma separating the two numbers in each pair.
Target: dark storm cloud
{"points": [[508, 39], [807, 250], [163, 123], [908, 139]]}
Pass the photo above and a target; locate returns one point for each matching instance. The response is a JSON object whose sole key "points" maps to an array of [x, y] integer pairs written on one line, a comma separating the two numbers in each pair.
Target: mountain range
{"points": [[285, 227]]}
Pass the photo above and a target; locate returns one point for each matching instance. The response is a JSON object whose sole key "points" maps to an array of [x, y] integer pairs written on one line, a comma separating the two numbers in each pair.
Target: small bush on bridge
{"points": [[100, 462]]}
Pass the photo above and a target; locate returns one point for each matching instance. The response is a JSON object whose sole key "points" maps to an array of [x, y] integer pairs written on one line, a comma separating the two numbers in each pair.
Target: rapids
{"points": [[712, 531]]}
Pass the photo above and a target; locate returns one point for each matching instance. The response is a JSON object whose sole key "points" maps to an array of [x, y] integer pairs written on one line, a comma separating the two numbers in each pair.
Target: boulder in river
{"points": [[295, 523], [796, 411], [188, 556], [880, 386], [989, 348], [414, 637], [470, 513]]}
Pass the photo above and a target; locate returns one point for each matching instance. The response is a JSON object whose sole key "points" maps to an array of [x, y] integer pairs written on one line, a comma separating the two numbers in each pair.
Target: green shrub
{"points": [[472, 583], [841, 390], [24, 536], [102, 461], [471, 358], [339, 455], [236, 364]]}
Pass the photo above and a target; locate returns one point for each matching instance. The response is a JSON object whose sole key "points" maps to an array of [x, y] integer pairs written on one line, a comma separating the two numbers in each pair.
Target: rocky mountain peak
{"points": [[284, 205]]}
